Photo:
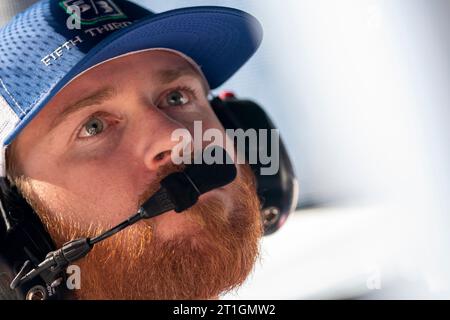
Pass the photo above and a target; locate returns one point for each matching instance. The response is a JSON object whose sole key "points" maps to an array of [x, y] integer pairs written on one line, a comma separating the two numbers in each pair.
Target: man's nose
{"points": [[158, 141]]}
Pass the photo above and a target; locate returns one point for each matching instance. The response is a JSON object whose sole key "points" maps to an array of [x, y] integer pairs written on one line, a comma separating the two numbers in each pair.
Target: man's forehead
{"points": [[157, 61], [163, 65], [105, 81]]}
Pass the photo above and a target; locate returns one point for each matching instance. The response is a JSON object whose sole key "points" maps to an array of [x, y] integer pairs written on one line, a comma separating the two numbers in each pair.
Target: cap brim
{"points": [[220, 40]]}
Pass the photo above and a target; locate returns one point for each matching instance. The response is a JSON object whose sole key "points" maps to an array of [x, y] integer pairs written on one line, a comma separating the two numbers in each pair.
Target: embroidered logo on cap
{"points": [[92, 11]]}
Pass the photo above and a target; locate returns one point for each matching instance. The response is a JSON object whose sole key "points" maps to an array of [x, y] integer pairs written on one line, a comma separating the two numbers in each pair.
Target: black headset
{"points": [[23, 236]]}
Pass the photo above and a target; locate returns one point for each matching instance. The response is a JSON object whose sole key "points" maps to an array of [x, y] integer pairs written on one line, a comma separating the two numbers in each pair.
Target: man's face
{"points": [[100, 148]]}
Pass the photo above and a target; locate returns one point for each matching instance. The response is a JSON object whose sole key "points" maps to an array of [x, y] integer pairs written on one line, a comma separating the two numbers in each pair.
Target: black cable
{"points": [[132, 220]]}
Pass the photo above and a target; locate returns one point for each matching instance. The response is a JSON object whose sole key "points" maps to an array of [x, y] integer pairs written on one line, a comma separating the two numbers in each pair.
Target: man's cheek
{"points": [[107, 211], [48, 199], [85, 208]]}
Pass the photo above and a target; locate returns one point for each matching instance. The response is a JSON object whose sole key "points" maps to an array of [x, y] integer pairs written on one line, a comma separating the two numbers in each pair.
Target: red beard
{"points": [[135, 264]]}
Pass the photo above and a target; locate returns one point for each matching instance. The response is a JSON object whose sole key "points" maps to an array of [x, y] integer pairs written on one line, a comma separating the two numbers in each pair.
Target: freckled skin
{"points": [[101, 178]]}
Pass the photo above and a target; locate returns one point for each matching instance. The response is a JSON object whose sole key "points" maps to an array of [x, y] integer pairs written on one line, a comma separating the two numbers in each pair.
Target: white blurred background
{"points": [[360, 90]]}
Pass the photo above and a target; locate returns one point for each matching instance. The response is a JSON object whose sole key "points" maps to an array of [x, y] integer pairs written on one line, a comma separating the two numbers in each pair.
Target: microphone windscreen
{"points": [[210, 176], [184, 188]]}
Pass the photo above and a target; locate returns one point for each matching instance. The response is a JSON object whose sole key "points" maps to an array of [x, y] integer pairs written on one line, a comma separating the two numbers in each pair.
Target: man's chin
{"points": [[172, 225]]}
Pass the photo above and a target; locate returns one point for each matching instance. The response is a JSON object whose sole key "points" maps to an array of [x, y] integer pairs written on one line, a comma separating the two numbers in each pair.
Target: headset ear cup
{"points": [[278, 192], [22, 237], [11, 202], [19, 215]]}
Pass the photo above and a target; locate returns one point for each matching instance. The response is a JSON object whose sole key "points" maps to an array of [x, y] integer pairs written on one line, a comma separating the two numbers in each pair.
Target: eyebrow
{"points": [[164, 77], [167, 76], [96, 98]]}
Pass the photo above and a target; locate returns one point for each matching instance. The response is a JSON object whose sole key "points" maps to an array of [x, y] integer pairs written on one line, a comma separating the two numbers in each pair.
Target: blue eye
{"points": [[92, 128], [176, 98]]}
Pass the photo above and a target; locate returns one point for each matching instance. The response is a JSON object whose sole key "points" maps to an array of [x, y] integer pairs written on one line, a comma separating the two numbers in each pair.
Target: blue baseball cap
{"points": [[43, 48]]}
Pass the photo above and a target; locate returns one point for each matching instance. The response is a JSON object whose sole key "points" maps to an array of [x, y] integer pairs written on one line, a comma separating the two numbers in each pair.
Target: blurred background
{"points": [[360, 90]]}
